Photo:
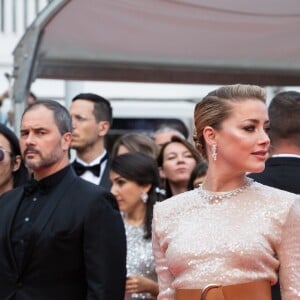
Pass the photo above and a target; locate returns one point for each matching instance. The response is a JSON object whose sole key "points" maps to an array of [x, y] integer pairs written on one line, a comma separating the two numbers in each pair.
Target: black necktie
{"points": [[95, 169], [31, 187]]}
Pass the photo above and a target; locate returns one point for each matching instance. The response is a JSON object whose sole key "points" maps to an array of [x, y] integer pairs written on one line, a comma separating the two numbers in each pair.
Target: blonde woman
{"points": [[228, 239]]}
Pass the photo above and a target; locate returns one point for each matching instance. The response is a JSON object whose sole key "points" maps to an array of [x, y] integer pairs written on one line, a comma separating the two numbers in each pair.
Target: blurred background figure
{"points": [[135, 185], [31, 98], [6, 110], [166, 130], [198, 175], [283, 167], [135, 142], [176, 161], [12, 169], [91, 121]]}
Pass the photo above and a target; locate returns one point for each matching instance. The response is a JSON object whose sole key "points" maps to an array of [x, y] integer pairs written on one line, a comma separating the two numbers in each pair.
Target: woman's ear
{"points": [[17, 163], [209, 134], [147, 187]]}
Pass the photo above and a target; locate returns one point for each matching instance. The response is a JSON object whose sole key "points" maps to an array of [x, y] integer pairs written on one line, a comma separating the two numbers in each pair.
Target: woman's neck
{"points": [[6, 186], [178, 188], [223, 183], [135, 217]]}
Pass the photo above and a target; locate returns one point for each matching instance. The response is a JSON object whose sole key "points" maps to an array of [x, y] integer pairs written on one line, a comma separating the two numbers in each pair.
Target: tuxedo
{"points": [[282, 173], [105, 181], [75, 249]]}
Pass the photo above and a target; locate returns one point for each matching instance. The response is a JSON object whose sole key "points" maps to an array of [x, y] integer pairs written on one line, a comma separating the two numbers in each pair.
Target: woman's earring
{"points": [[214, 152], [144, 197]]}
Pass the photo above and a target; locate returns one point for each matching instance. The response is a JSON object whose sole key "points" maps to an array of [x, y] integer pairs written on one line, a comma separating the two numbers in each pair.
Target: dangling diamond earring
{"points": [[214, 152], [144, 197]]}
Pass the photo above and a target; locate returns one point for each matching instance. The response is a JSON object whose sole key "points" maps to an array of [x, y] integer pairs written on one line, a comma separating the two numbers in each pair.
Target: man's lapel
{"points": [[105, 181]]}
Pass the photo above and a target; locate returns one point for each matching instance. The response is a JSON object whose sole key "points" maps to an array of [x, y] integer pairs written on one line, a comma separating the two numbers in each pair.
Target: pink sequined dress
{"points": [[245, 238]]}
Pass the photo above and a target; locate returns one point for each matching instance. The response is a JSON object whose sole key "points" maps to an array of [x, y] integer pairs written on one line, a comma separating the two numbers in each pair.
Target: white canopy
{"points": [[175, 41]]}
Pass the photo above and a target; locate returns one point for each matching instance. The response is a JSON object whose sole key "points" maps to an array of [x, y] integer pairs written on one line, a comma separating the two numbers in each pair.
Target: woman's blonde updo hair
{"points": [[215, 108]]}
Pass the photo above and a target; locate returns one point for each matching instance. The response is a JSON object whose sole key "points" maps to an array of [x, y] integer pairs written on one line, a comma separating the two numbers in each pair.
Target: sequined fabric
{"points": [[140, 260], [242, 239]]}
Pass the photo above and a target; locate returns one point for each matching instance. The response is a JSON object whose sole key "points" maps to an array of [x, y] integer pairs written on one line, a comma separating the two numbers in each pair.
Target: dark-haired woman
{"points": [[12, 169], [198, 175], [135, 184], [176, 161]]}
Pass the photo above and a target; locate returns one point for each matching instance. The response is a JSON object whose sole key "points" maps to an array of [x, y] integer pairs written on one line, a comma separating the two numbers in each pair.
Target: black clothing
{"points": [[74, 242], [282, 173]]}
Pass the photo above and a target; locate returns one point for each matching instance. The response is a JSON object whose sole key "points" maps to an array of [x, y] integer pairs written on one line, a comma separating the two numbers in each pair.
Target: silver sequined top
{"points": [[238, 240], [140, 260]]}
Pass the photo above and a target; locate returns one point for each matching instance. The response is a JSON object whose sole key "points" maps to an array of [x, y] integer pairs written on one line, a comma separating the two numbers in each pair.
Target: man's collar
{"points": [[286, 155]]}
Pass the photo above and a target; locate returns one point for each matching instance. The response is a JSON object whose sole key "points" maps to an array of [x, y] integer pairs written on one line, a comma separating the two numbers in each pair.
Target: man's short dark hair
{"points": [[176, 125], [61, 115], [284, 114], [102, 107]]}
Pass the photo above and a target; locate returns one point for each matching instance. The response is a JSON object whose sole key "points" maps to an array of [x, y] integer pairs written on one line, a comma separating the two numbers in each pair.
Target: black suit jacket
{"points": [[77, 250], [282, 173], [105, 181]]}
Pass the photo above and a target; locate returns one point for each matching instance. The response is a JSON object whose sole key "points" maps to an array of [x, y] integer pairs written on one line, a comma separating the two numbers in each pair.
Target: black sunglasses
{"points": [[2, 154]]}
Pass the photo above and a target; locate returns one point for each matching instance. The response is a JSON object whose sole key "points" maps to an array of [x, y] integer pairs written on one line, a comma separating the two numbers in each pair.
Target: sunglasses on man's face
{"points": [[2, 154]]}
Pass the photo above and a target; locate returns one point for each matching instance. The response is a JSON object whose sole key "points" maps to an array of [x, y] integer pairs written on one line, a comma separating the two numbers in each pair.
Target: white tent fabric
{"points": [[175, 41]]}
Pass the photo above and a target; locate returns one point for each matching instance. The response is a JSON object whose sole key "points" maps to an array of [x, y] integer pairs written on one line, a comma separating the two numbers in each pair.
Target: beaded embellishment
{"points": [[218, 197]]}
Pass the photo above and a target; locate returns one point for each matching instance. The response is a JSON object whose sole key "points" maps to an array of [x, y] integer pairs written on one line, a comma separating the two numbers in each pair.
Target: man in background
{"points": [[6, 110], [31, 98], [164, 132], [91, 117], [283, 167]]}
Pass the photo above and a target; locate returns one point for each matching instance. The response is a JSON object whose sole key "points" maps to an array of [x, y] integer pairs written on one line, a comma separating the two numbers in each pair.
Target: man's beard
{"points": [[44, 161]]}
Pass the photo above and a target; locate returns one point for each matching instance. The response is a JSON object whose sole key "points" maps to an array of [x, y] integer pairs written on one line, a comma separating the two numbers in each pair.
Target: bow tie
{"points": [[96, 169], [32, 187], [80, 169]]}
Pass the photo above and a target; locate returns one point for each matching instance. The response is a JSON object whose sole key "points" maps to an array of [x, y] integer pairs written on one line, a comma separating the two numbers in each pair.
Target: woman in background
{"points": [[176, 161], [229, 238], [12, 169], [135, 142], [198, 175], [136, 186]]}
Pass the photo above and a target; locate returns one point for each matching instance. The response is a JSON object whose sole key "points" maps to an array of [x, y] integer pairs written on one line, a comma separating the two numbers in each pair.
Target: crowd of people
{"points": [[157, 217]]}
